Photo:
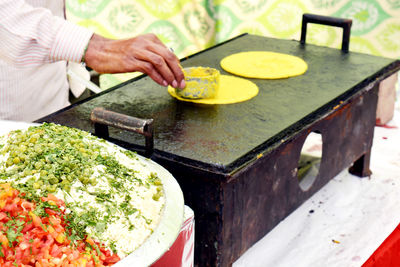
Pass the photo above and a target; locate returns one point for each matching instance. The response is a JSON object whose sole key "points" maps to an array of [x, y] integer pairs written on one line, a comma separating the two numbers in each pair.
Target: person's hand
{"points": [[144, 53]]}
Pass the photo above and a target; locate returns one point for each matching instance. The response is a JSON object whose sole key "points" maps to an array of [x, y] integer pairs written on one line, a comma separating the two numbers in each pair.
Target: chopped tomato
{"points": [[27, 239]]}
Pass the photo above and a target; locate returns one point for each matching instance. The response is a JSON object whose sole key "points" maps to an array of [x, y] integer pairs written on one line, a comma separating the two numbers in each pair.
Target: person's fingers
{"points": [[159, 63], [167, 54], [149, 69], [172, 62], [178, 73]]}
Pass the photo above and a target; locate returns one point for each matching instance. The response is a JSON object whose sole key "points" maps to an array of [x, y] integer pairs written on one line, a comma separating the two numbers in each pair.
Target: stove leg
{"points": [[361, 166]]}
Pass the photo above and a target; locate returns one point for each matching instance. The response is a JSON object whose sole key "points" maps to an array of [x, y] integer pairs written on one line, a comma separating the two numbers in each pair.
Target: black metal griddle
{"points": [[237, 163]]}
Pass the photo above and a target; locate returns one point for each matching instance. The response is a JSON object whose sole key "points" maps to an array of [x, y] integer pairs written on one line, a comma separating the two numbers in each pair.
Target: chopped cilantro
{"points": [[14, 228], [113, 247]]}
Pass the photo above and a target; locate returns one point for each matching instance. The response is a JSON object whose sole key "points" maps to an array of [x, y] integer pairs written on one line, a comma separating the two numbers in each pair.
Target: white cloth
{"points": [[35, 43], [76, 86]]}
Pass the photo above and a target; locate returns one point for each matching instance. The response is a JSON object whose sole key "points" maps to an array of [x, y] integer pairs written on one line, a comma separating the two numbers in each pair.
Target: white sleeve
{"points": [[32, 36]]}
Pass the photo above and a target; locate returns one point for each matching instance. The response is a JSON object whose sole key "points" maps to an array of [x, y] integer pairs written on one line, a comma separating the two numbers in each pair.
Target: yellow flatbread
{"points": [[231, 90], [264, 65]]}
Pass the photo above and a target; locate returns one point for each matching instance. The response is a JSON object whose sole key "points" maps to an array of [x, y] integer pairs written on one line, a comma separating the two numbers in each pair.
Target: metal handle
{"points": [[103, 118], [330, 21]]}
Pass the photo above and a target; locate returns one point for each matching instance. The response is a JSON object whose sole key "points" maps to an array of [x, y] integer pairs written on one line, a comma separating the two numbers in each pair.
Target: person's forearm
{"points": [[33, 36]]}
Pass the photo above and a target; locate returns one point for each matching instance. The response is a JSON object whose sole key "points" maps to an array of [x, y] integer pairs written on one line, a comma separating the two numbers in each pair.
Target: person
{"points": [[36, 42]]}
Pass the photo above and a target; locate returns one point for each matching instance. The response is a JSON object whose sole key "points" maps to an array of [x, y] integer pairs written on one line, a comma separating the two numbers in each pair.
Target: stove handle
{"points": [[103, 118], [330, 21]]}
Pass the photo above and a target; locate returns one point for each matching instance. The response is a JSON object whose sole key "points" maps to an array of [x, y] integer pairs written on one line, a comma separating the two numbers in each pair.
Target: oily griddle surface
{"points": [[227, 136]]}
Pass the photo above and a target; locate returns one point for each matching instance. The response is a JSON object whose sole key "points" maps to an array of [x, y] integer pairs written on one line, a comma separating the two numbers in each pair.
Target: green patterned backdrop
{"points": [[188, 26]]}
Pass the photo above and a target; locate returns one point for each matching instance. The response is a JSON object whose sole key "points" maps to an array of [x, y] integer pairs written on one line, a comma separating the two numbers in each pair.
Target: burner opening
{"points": [[310, 160]]}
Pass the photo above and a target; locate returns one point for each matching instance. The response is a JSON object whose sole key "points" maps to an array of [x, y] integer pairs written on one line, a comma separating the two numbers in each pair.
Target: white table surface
{"points": [[358, 213]]}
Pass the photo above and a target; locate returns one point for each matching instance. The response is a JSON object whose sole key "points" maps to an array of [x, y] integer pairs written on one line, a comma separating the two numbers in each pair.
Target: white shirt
{"points": [[35, 44]]}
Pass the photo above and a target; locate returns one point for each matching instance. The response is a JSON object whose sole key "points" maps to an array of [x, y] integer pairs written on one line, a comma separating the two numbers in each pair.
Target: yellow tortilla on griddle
{"points": [[264, 65], [231, 90]]}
